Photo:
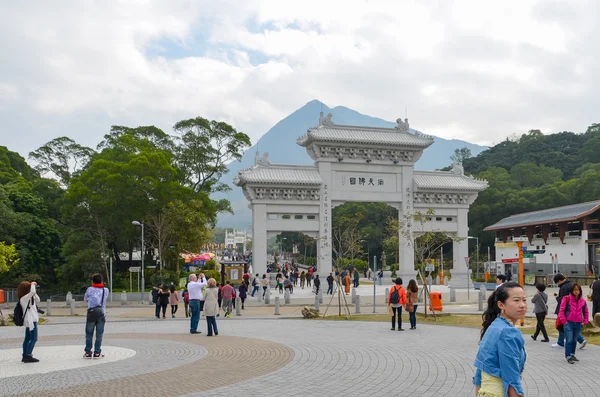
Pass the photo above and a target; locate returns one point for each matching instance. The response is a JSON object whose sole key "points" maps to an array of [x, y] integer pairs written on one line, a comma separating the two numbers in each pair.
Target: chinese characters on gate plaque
{"points": [[362, 181]]}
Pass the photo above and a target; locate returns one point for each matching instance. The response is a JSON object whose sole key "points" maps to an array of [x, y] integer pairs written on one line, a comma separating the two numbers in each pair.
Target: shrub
{"points": [[210, 265]]}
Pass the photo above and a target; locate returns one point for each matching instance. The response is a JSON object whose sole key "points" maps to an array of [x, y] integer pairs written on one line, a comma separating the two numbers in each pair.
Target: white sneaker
{"points": [[557, 345], [583, 344]]}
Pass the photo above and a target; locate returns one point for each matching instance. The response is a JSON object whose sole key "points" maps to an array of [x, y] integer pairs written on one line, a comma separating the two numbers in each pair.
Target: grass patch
{"points": [[7, 321]]}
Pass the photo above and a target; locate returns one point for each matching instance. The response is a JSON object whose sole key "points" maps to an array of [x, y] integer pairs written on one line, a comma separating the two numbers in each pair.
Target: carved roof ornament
{"points": [[457, 168], [403, 126], [325, 120], [264, 160]]}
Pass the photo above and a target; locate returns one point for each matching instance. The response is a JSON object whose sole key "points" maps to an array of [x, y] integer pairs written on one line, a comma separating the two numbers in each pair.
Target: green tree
{"points": [[9, 257], [62, 157], [205, 148], [460, 155]]}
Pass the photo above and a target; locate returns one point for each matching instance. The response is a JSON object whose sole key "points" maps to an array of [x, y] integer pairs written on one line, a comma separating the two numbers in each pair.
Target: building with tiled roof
{"points": [[562, 239]]}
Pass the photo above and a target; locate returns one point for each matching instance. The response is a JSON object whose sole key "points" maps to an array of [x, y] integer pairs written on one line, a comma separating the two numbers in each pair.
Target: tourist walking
{"points": [[330, 284], [155, 300], [412, 300], [28, 300], [296, 275], [396, 298], [280, 283], [265, 284], [96, 297], [227, 293], [211, 307], [356, 277], [287, 284], [540, 309], [173, 301], [317, 284], [255, 282], [347, 283], [195, 291], [500, 279], [309, 277], [564, 290], [573, 315], [243, 291], [302, 278], [163, 300], [501, 356], [595, 297]]}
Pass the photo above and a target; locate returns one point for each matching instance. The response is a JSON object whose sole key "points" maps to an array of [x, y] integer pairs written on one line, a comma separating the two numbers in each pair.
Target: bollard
{"points": [[353, 295], [357, 304], [277, 306], [268, 297], [69, 298], [48, 307], [317, 305], [481, 297], [452, 294], [259, 295], [72, 305], [286, 297], [238, 306], [387, 293], [123, 298], [320, 295], [429, 280]]}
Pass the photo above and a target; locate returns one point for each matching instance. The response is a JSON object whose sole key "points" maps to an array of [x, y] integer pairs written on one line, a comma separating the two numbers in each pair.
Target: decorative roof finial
{"points": [[264, 160], [325, 121], [457, 168], [403, 126]]}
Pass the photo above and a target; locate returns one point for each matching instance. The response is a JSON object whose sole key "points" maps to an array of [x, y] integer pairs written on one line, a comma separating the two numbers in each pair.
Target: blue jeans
{"points": [[195, 310], [412, 316], [157, 310], [330, 289], [572, 331], [561, 338], [89, 335], [254, 289], [30, 339], [211, 324]]}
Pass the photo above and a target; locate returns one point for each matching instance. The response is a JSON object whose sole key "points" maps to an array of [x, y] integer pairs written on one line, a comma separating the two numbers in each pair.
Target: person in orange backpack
{"points": [[396, 299]]}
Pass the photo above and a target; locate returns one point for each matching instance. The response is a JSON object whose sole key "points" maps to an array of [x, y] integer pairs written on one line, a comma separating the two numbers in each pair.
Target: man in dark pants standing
{"points": [[317, 284], [595, 297], [330, 284]]}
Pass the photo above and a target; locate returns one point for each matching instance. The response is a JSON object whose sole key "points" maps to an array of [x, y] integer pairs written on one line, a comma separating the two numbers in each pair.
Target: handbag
{"points": [[589, 296], [95, 313]]}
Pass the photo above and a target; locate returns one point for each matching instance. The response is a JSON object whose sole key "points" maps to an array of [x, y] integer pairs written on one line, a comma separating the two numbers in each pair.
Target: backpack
{"points": [[186, 297], [254, 282], [18, 315], [395, 298]]}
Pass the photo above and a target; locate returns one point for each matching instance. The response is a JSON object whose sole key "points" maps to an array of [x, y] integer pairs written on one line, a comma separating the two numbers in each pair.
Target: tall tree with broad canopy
{"points": [[62, 157], [204, 150]]}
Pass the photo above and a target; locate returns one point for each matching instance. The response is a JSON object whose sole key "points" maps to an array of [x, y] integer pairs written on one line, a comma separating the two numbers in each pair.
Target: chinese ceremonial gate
{"points": [[358, 164]]}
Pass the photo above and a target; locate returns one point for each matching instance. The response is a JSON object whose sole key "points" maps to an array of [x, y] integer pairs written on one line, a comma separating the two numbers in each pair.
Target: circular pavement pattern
{"points": [[269, 357], [57, 358]]}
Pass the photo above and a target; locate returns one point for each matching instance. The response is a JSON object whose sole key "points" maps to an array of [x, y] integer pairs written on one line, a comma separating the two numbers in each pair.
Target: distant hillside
{"points": [[280, 143]]}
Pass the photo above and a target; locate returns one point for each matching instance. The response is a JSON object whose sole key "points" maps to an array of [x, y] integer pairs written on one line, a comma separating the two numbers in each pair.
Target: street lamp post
{"points": [[477, 261], [136, 223]]}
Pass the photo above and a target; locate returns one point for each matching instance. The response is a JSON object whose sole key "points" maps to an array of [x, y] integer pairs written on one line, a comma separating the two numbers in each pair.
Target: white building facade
{"points": [[365, 164], [235, 238]]}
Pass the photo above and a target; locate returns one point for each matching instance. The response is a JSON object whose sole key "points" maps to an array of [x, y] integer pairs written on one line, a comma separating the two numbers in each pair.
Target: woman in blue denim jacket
{"points": [[501, 356]]}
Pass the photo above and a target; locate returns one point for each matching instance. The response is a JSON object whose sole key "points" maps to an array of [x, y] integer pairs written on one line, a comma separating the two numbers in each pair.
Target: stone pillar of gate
{"points": [[259, 238], [325, 220], [405, 236], [460, 250]]}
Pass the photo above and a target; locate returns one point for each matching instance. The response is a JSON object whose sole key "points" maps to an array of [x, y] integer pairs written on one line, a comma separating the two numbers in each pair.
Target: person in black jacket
{"points": [[595, 297], [330, 284], [317, 284], [155, 299], [564, 290]]}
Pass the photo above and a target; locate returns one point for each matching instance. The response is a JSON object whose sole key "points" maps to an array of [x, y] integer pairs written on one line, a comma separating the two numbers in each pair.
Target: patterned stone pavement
{"points": [[277, 357]]}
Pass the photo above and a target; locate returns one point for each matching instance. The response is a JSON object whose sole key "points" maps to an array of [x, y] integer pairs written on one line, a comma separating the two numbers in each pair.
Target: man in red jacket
{"points": [[227, 293]]}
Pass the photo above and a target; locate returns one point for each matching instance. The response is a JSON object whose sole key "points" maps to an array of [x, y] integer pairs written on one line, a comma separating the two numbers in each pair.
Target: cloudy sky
{"points": [[473, 70]]}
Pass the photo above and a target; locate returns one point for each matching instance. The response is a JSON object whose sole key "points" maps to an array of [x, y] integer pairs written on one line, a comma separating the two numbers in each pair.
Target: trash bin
{"points": [[1, 296], [436, 301]]}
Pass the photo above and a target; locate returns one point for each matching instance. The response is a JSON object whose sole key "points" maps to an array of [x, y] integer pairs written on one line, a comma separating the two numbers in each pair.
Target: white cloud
{"points": [[465, 69]]}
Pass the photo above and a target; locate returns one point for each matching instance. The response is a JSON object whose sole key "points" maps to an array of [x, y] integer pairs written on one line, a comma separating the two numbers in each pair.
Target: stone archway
{"points": [[355, 163]]}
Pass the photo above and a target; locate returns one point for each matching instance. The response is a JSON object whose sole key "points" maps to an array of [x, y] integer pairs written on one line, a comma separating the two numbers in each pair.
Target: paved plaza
{"points": [[272, 357]]}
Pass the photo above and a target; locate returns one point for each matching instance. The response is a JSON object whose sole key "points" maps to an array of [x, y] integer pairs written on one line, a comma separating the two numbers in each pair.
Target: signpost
{"points": [[520, 241], [467, 260], [134, 269]]}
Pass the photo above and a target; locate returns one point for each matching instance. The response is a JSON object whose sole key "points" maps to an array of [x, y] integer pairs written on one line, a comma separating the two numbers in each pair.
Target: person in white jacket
{"points": [[28, 300]]}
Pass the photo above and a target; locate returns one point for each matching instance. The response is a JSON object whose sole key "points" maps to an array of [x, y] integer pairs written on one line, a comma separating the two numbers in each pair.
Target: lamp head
{"points": [[136, 223]]}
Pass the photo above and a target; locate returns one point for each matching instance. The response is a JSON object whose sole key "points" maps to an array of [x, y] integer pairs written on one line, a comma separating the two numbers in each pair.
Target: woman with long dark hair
{"points": [[501, 356], [573, 314], [28, 299], [412, 300]]}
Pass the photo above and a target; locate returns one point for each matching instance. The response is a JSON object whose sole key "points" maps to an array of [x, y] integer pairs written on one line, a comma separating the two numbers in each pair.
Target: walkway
{"points": [[275, 357]]}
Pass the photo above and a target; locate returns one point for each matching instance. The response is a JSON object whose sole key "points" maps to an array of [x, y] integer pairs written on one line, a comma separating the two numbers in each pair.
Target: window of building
{"points": [[449, 219], [298, 216], [286, 216], [311, 217], [439, 218], [273, 217]]}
